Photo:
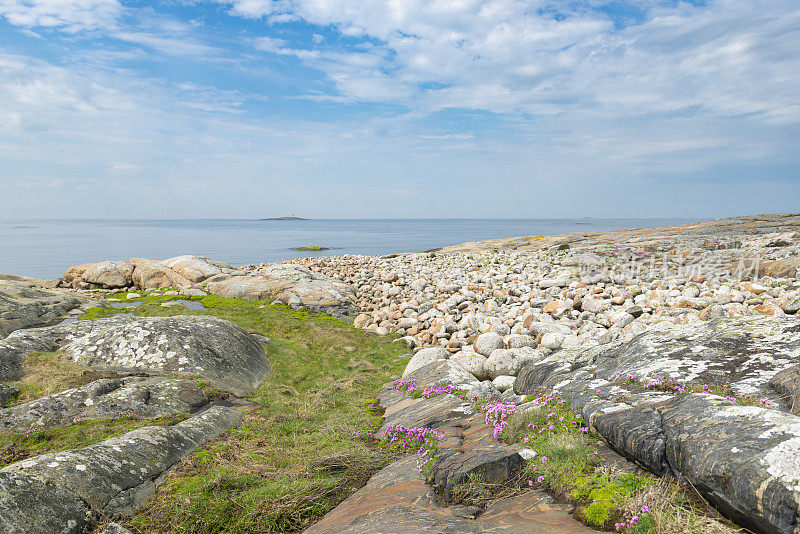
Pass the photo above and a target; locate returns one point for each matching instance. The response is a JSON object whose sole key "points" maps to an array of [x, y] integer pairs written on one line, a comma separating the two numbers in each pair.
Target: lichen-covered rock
{"points": [[145, 397], [115, 528], [740, 457], [22, 306], [221, 352], [291, 283], [508, 361], [424, 357], [28, 506], [116, 477]]}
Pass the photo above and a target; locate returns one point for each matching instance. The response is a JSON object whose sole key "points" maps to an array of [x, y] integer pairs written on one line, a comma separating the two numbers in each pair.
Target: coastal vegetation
{"points": [[295, 456]]}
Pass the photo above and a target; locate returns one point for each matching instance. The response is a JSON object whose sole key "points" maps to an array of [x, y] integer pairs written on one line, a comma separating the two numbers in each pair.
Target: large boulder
{"points": [[219, 351], [472, 362], [110, 274], [179, 272], [424, 357], [113, 478], [508, 361], [196, 268], [149, 274], [145, 397], [487, 343], [291, 283], [23, 306], [637, 396]]}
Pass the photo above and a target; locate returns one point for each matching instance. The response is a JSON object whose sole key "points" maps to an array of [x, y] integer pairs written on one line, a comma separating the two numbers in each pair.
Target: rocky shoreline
{"points": [[678, 346]]}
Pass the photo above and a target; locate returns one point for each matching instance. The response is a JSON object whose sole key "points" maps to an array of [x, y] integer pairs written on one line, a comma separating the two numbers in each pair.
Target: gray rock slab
{"points": [[744, 459], [142, 396], [116, 477], [28, 506], [221, 352], [22, 306]]}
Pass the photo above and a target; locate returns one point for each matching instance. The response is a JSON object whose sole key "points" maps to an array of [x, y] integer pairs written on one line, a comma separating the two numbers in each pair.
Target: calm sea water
{"points": [[46, 248]]}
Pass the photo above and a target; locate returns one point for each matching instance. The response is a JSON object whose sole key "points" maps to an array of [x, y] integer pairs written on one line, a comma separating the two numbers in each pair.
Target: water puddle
{"points": [[122, 304], [191, 304]]}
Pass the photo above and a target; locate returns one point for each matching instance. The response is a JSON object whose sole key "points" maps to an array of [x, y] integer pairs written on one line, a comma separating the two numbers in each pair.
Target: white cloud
{"points": [[70, 15], [726, 58], [167, 45]]}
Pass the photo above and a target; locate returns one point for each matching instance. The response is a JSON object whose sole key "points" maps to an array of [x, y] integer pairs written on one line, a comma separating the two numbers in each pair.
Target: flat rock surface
{"points": [[145, 397], [25, 306], [743, 353], [398, 500], [221, 352], [114, 477]]}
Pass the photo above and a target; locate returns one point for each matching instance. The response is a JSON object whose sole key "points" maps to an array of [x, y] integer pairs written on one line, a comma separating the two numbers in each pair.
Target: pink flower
{"points": [[544, 459], [540, 479]]}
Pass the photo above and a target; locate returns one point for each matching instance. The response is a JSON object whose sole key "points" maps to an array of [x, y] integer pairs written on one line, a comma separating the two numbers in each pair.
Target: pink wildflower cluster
{"points": [[419, 440], [495, 414], [669, 383], [632, 520], [435, 391], [405, 384]]}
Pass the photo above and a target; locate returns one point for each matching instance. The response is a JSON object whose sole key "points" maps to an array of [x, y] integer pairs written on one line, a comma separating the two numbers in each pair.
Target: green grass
{"points": [[295, 458], [16, 446], [51, 372]]}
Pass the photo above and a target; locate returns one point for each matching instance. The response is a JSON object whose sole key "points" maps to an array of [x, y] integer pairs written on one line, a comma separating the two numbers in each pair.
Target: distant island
{"points": [[292, 218], [312, 248]]}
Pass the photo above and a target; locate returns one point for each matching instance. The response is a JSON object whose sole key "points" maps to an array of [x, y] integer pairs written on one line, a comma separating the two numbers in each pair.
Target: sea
{"points": [[46, 248]]}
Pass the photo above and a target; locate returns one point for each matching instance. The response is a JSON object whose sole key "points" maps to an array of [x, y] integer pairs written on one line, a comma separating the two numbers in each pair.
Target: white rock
{"points": [[424, 357], [503, 382], [488, 342], [472, 362], [515, 341], [553, 340]]}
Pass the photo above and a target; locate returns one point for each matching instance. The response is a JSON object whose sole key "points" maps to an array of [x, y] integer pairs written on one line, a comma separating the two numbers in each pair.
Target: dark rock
{"points": [[22, 306], [787, 383], [28, 506], [145, 397], [116, 477], [7, 393], [636, 311], [739, 457]]}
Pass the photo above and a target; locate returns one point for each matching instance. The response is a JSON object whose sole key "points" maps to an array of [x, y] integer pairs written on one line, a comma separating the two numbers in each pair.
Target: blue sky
{"points": [[399, 108]]}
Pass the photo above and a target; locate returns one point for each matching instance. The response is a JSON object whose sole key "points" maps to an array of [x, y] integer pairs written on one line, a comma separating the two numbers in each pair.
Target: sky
{"points": [[399, 108]]}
